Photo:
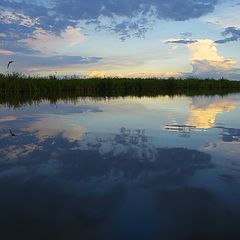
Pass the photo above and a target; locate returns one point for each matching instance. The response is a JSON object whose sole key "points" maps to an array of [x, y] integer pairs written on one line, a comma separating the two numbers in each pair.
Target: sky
{"points": [[123, 38]]}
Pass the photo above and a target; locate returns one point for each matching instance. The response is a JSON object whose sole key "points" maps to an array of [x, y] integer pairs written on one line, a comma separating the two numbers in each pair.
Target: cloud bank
{"points": [[124, 17]]}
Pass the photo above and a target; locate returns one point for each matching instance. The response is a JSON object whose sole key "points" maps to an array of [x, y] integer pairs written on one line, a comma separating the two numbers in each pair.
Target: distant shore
{"points": [[19, 88]]}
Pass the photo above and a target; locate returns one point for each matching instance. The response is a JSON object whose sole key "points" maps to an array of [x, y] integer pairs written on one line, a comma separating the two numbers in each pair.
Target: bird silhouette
{"points": [[12, 134], [9, 63]]}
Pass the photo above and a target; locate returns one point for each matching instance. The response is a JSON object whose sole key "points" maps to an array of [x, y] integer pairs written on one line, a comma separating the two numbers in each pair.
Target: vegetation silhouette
{"points": [[17, 89]]}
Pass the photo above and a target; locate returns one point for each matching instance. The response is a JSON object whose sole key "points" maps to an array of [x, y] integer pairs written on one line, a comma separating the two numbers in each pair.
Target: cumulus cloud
{"points": [[204, 49], [206, 61], [214, 67]]}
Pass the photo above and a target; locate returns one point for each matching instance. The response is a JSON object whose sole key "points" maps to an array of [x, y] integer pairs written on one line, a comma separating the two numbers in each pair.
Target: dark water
{"points": [[149, 168]]}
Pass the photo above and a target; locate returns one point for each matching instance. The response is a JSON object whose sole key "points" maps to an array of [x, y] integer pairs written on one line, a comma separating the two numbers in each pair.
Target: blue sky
{"points": [[133, 38]]}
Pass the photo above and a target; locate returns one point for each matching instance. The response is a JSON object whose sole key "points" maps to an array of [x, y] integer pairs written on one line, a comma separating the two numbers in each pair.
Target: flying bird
{"points": [[9, 63], [12, 134]]}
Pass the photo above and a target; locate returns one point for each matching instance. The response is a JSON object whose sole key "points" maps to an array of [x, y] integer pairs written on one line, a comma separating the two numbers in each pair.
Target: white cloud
{"points": [[50, 43], [204, 50], [9, 17], [206, 61]]}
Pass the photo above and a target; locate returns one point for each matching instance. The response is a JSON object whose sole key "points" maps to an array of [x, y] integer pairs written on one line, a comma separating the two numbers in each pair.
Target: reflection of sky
{"points": [[99, 163], [204, 111]]}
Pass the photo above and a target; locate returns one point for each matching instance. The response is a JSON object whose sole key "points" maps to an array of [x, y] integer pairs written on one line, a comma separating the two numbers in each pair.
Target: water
{"points": [[132, 168]]}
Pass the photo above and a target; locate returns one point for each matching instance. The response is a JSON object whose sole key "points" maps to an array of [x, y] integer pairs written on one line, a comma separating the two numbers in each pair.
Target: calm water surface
{"points": [[149, 168]]}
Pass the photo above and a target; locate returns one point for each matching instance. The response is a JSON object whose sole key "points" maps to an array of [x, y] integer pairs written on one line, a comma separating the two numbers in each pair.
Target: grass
{"points": [[16, 89]]}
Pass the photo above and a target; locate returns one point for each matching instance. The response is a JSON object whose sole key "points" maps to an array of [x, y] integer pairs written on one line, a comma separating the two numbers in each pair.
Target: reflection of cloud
{"points": [[14, 152], [7, 118], [54, 126], [132, 154], [225, 150], [88, 186], [231, 135], [128, 154], [90, 192], [204, 111], [184, 130]]}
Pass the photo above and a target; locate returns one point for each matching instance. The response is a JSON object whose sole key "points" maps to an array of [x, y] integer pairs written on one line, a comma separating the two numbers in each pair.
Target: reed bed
{"points": [[17, 89]]}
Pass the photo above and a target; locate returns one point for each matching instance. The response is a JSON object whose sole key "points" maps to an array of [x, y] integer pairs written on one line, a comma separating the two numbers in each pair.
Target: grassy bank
{"points": [[16, 88]]}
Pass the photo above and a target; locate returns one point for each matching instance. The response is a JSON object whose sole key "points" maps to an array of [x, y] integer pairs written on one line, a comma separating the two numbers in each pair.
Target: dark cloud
{"points": [[126, 29], [163, 9], [231, 33], [182, 41], [124, 17], [46, 18], [134, 12]]}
